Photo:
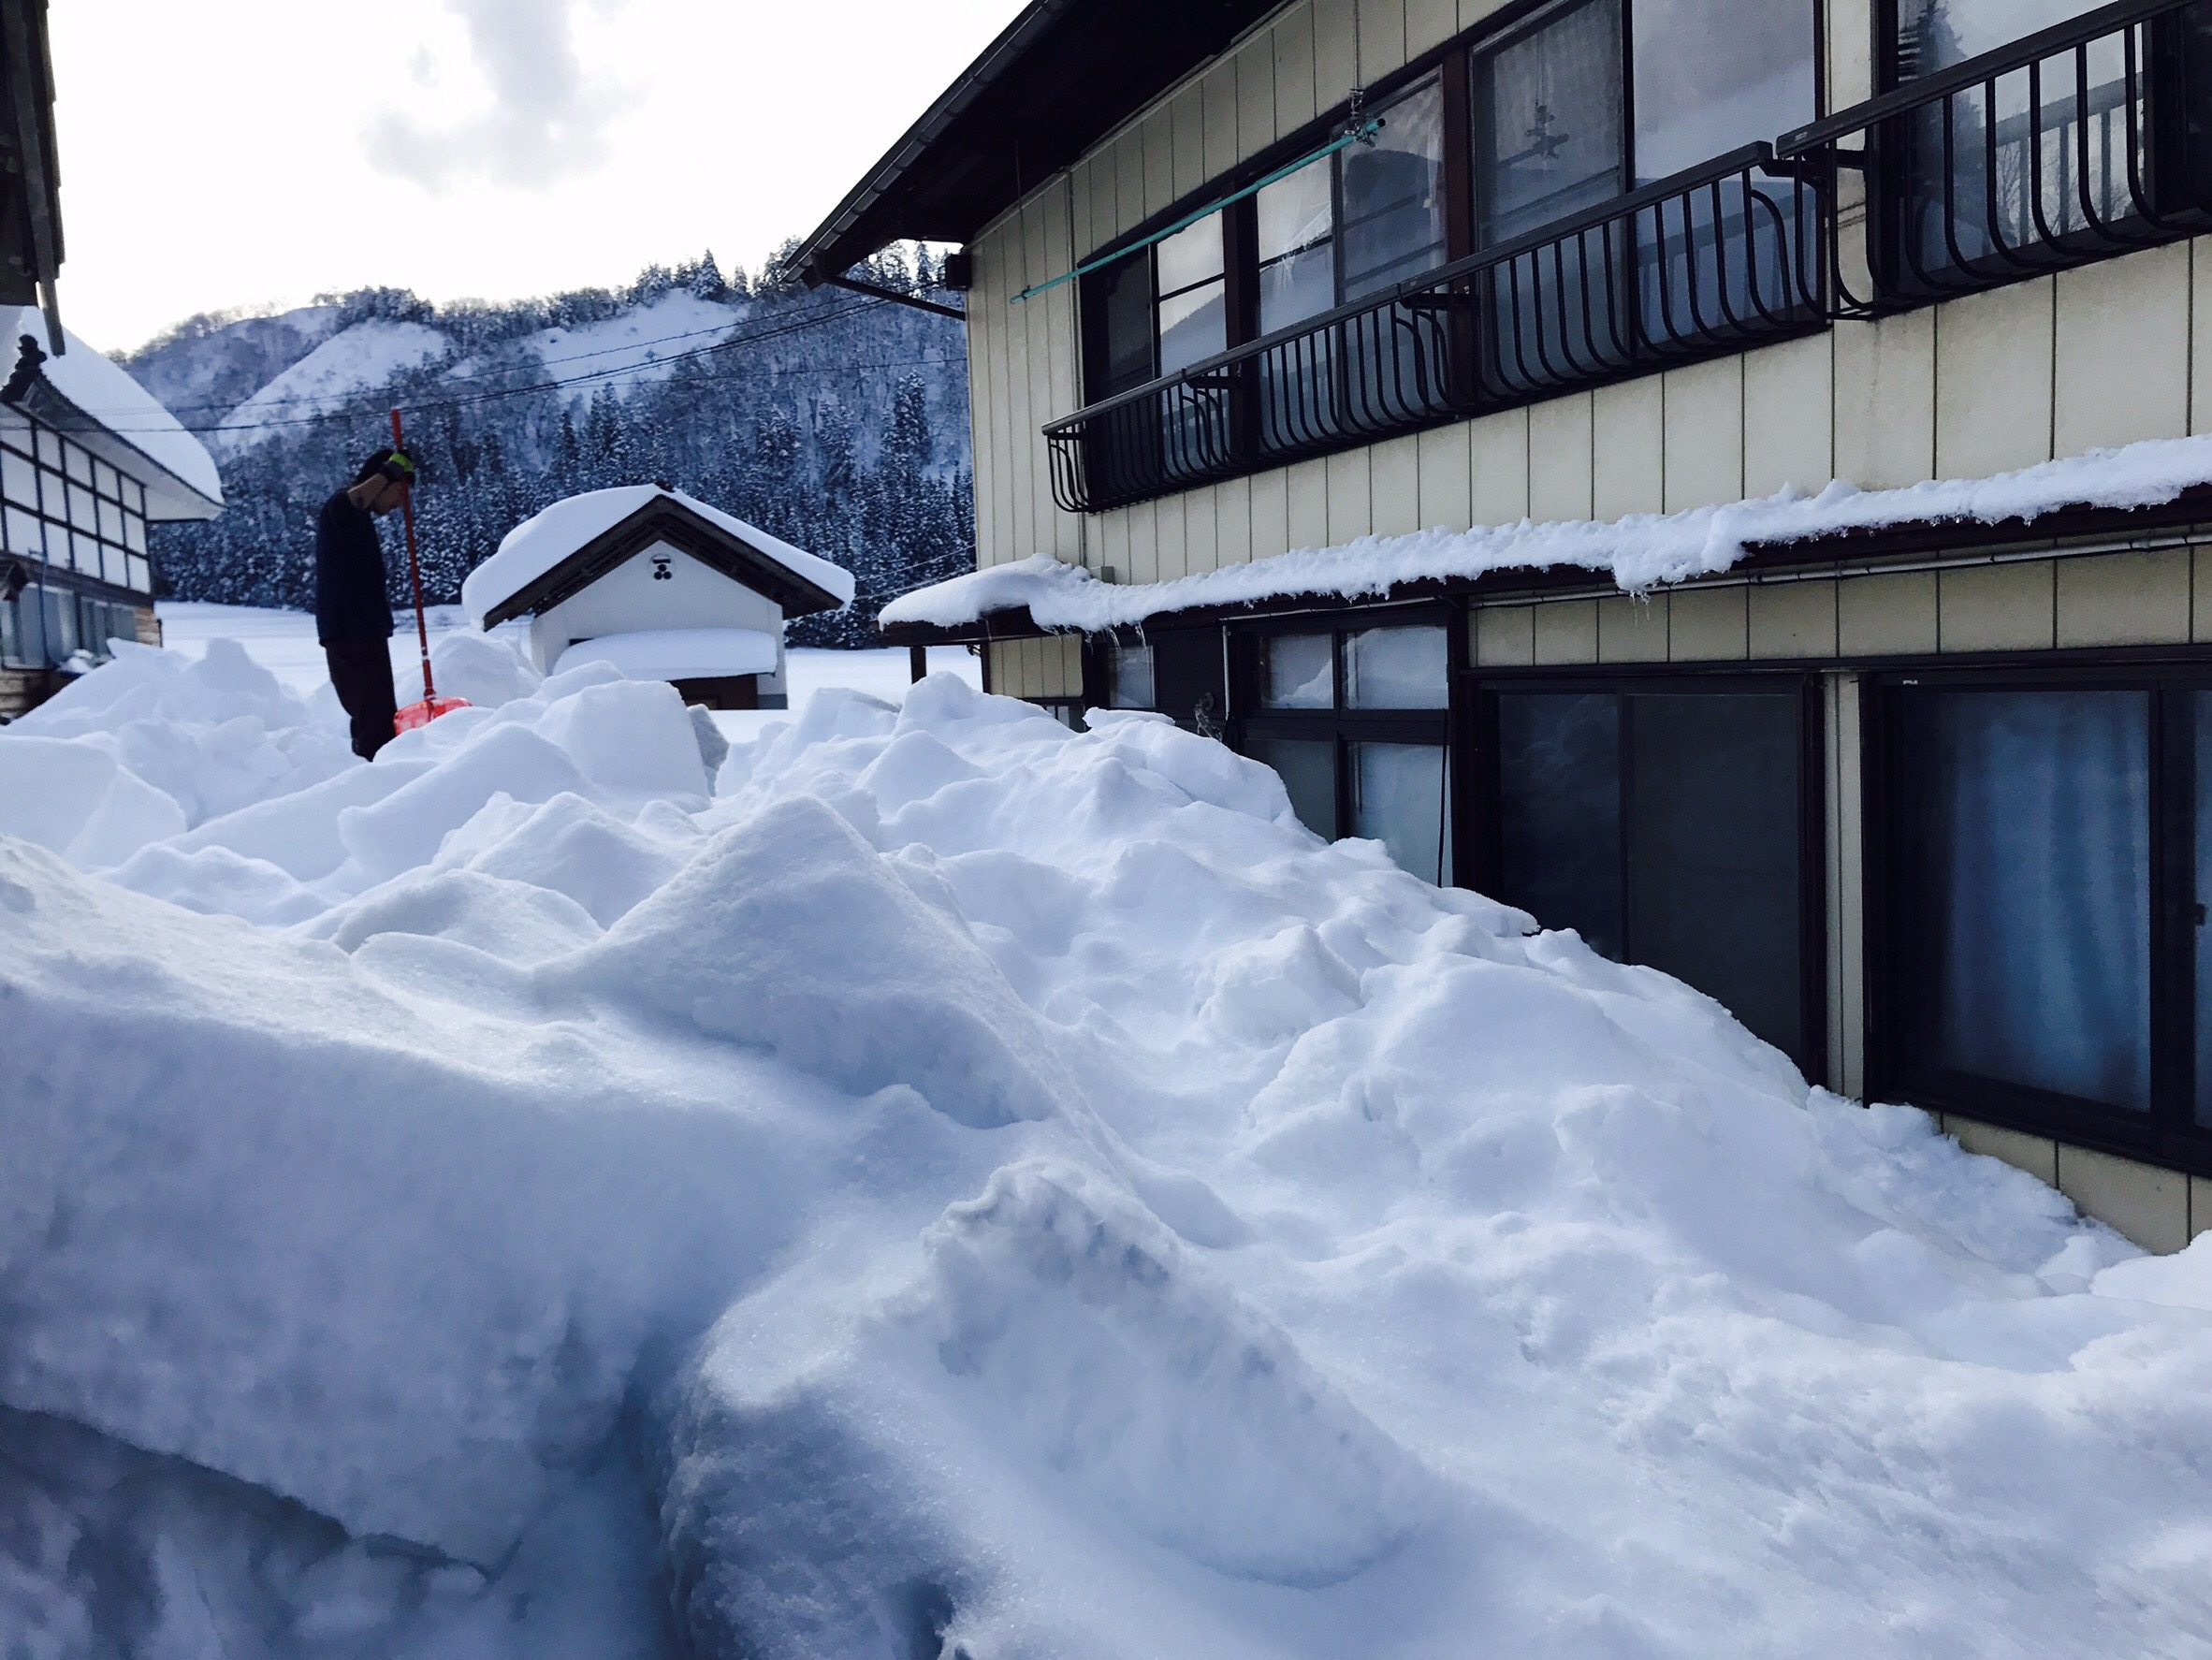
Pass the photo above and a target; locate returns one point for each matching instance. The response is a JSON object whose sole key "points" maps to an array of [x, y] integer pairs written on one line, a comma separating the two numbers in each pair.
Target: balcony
{"points": [[2078, 143], [2075, 144], [1708, 262]]}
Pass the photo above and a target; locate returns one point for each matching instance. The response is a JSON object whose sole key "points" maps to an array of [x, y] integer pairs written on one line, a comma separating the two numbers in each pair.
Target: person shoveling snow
{"points": [[352, 608]]}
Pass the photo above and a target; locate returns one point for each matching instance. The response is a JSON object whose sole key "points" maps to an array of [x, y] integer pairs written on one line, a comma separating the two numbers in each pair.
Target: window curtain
{"points": [[2034, 895]]}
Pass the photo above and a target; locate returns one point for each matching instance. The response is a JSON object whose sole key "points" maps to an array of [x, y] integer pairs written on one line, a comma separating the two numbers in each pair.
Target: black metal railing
{"points": [[2081, 142], [1704, 263]]}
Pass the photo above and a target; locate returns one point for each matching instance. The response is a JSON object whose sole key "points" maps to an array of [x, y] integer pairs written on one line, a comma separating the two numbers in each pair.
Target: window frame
{"points": [[57, 498], [1344, 725], [1483, 795], [1454, 62], [2166, 1133]]}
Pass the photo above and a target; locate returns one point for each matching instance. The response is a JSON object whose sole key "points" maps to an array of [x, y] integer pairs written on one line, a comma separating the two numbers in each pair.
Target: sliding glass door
{"points": [[1667, 825]]}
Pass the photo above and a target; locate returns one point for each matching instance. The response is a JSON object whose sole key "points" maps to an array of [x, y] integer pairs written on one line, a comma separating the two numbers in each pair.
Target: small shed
{"points": [[662, 586]]}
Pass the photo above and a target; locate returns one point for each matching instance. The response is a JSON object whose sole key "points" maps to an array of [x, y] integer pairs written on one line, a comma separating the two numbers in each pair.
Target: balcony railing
{"points": [[1705, 263], [2079, 142]]}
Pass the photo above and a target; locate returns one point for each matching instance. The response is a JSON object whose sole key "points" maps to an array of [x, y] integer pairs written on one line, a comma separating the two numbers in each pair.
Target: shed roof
{"points": [[1060, 78], [566, 548]]}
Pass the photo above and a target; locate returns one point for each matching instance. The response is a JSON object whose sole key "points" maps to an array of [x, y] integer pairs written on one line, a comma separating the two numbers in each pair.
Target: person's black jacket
{"points": [[350, 598]]}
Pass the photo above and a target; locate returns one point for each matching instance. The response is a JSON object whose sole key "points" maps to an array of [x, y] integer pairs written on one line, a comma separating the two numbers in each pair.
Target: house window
{"points": [[1128, 676], [1297, 238], [1667, 828], [1193, 316], [1393, 195], [2040, 868], [1712, 76], [1548, 125], [1353, 720]]}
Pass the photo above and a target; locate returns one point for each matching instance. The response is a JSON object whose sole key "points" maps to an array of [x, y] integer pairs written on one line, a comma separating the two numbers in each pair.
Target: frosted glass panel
{"points": [[25, 534], [2029, 857], [1397, 668], [1133, 678], [1549, 121], [1559, 785], [1297, 255], [19, 479], [1398, 797], [1299, 670], [1307, 768]]}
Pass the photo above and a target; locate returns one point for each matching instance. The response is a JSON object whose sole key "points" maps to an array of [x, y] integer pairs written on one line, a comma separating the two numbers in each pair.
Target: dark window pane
{"points": [[1549, 121], [2026, 873], [1393, 196], [1714, 817], [1714, 74], [2200, 705], [1559, 776], [1398, 797], [1307, 768], [1189, 681], [1125, 300]]}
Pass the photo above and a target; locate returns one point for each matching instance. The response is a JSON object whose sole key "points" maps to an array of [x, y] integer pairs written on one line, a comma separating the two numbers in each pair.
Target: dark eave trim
{"points": [[43, 403], [663, 519], [821, 256]]}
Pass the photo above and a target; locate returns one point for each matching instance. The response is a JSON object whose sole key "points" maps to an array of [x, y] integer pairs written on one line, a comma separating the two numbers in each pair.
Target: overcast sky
{"points": [[238, 153]]}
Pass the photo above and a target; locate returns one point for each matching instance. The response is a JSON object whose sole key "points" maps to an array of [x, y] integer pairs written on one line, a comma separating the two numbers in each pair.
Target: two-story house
{"points": [[1440, 400]]}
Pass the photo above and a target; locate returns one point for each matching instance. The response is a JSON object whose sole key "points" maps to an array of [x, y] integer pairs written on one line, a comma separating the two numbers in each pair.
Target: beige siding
{"points": [[2113, 353]]}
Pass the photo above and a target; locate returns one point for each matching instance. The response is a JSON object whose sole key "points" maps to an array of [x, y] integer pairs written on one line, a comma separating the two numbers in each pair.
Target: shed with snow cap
{"points": [[661, 585]]}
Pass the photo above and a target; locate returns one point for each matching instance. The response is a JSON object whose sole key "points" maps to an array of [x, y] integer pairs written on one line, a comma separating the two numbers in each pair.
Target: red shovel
{"points": [[432, 706]]}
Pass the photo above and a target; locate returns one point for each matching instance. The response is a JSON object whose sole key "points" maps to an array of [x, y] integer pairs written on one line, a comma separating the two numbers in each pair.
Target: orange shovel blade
{"points": [[423, 713]]}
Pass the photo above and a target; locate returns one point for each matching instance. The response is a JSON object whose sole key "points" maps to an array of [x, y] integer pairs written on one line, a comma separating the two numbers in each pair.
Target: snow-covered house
{"points": [[88, 458], [1436, 399], [661, 585]]}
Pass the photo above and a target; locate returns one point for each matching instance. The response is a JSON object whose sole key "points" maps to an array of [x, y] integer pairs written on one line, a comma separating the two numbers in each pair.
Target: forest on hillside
{"points": [[831, 419]]}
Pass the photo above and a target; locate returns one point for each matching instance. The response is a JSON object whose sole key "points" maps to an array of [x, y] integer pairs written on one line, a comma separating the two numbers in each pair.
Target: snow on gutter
{"points": [[1642, 551]]}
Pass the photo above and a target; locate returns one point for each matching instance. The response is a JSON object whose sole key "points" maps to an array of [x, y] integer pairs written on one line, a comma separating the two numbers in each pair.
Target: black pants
{"points": [[361, 670]]}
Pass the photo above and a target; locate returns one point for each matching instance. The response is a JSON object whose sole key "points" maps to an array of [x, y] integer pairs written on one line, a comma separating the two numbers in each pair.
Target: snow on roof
{"points": [[677, 653], [541, 541], [1639, 552], [109, 395]]}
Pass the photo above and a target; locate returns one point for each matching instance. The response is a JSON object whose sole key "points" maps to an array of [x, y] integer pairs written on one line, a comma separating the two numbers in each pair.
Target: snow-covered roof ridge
{"points": [[541, 541], [107, 394], [1639, 552]]}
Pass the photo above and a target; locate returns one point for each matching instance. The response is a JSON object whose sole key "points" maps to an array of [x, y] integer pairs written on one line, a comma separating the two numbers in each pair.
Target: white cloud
{"points": [[547, 119]]}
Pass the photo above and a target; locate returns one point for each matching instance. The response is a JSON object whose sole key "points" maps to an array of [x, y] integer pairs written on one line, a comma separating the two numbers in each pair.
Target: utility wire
{"points": [[591, 377]]}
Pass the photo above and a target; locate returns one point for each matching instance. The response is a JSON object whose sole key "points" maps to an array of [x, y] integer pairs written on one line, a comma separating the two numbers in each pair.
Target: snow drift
{"points": [[937, 1183]]}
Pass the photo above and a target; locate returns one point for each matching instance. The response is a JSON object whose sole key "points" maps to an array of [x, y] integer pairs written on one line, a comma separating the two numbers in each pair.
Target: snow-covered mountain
{"points": [[835, 422]]}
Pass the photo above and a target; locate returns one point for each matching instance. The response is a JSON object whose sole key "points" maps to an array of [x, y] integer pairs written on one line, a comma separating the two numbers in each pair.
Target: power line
{"points": [[758, 337]]}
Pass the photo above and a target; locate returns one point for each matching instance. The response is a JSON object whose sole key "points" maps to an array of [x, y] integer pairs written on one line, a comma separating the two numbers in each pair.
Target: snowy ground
{"points": [[284, 643], [931, 1183]]}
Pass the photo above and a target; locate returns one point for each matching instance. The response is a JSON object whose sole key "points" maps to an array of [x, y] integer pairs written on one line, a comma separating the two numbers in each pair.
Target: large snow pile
{"points": [[948, 1184]]}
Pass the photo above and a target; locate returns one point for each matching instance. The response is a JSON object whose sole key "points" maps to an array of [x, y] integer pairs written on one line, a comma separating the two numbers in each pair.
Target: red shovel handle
{"points": [[422, 628]]}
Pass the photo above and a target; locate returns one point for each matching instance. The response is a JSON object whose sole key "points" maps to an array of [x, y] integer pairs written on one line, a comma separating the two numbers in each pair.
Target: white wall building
{"points": [[661, 585]]}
